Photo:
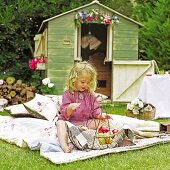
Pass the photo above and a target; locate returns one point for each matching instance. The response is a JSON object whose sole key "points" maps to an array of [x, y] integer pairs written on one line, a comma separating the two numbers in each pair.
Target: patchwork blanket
{"points": [[38, 134]]}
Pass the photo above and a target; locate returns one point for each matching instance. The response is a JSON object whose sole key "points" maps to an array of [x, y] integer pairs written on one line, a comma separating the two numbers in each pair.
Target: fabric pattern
{"points": [[88, 109], [85, 140], [42, 107]]}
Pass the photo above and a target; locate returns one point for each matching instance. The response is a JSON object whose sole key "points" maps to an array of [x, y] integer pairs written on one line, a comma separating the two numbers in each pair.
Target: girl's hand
{"points": [[71, 107], [105, 117]]}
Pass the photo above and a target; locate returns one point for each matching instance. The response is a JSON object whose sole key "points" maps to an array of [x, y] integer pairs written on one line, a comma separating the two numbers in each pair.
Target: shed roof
{"points": [[93, 2]]}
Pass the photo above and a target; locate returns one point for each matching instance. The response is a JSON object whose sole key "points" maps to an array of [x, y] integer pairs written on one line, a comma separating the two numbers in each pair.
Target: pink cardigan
{"points": [[88, 109]]}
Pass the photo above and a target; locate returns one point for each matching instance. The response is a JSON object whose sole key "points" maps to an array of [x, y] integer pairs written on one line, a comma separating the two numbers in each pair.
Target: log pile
{"points": [[15, 91]]}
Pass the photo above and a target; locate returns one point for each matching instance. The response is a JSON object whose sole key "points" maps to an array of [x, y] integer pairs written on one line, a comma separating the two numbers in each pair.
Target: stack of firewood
{"points": [[15, 91]]}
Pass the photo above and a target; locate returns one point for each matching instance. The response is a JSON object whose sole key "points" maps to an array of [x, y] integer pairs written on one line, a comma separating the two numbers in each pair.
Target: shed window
{"points": [[82, 30]]}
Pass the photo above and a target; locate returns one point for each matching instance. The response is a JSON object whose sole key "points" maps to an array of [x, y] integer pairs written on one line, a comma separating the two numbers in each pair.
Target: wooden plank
{"points": [[124, 34], [60, 58], [129, 63], [61, 44], [61, 52], [64, 20], [125, 55], [60, 37], [59, 30], [59, 66], [59, 80], [126, 21], [58, 73], [126, 27], [132, 47], [125, 40]]}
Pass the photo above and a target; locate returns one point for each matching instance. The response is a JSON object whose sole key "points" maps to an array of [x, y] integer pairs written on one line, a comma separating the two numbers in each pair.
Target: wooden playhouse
{"points": [[111, 47]]}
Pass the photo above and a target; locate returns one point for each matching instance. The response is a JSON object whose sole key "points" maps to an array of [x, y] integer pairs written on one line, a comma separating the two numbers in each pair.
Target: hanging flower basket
{"points": [[95, 16], [38, 63], [41, 66]]}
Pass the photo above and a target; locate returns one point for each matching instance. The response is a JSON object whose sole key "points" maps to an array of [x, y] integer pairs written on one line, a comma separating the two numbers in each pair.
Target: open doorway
{"points": [[94, 47]]}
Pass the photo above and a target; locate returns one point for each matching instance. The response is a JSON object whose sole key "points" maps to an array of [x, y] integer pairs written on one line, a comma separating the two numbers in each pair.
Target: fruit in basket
{"points": [[103, 129], [114, 131], [104, 135]]}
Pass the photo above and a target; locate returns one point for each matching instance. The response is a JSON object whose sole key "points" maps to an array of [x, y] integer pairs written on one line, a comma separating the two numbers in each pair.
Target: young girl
{"points": [[79, 105]]}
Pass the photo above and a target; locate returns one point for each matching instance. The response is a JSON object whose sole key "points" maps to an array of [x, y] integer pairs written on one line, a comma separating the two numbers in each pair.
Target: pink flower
{"points": [[39, 103], [106, 22], [33, 62], [90, 18]]}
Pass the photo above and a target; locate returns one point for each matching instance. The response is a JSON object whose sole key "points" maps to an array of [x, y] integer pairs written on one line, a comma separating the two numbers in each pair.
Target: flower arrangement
{"points": [[95, 16], [137, 106], [33, 62], [47, 87]]}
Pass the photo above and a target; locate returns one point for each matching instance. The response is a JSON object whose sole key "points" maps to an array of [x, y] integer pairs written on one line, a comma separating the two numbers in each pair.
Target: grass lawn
{"points": [[153, 158]]}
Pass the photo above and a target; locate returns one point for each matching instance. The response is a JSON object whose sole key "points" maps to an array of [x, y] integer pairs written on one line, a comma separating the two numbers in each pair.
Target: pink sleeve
{"points": [[65, 102], [95, 107]]}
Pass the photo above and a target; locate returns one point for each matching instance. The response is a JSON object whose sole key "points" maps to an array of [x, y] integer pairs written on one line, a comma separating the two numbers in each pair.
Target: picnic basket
{"points": [[146, 115]]}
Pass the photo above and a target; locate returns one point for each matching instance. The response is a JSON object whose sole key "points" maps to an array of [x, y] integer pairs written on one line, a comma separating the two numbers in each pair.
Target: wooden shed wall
{"points": [[61, 33], [125, 40]]}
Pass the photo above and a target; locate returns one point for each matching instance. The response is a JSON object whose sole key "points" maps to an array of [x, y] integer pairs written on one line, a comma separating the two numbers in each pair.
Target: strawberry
{"points": [[103, 129], [114, 131]]}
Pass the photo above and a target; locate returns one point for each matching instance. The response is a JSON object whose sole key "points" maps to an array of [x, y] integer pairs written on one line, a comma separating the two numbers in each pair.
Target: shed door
{"points": [[94, 48], [127, 78]]}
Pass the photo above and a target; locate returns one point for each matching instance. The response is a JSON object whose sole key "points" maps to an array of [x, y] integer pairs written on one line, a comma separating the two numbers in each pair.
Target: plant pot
{"points": [[41, 66]]}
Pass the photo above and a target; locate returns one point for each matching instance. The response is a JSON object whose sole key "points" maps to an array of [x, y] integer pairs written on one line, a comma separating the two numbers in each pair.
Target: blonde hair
{"points": [[76, 71]]}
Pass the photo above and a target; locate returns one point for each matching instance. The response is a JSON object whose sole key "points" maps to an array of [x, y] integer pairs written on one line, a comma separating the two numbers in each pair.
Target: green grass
{"points": [[153, 158]]}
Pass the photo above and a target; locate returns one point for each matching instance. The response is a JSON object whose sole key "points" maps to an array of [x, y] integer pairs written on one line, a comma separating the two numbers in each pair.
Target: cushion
{"points": [[101, 97], [42, 107], [57, 99], [18, 111]]}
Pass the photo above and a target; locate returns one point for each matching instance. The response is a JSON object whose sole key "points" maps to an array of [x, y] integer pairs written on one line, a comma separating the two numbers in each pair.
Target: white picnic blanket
{"points": [[41, 134]]}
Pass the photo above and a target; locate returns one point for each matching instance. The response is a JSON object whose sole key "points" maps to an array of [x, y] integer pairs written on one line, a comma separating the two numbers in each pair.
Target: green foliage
{"points": [[154, 36]]}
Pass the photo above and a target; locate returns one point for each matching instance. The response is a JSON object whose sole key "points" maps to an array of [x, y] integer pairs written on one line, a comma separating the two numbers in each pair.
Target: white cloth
{"points": [[155, 89], [38, 134]]}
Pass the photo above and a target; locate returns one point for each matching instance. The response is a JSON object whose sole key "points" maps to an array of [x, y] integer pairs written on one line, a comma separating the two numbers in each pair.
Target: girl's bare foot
{"points": [[67, 149]]}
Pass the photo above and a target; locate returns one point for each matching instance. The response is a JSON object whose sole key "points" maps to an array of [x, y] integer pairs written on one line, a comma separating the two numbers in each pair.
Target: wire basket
{"points": [[104, 140], [146, 115]]}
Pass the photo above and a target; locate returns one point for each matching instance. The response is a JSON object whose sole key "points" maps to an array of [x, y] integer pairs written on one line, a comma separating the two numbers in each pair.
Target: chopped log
{"points": [[23, 85], [18, 89], [8, 97], [5, 89], [19, 82], [16, 92], [10, 80], [30, 95], [14, 100], [12, 93], [23, 92], [9, 87]]}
